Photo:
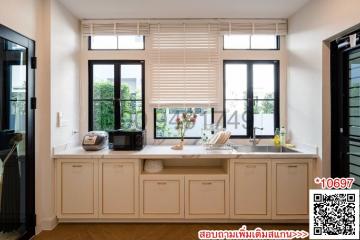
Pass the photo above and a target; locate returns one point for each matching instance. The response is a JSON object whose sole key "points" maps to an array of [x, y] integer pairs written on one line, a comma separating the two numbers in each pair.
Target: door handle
{"points": [[161, 183], [206, 183]]}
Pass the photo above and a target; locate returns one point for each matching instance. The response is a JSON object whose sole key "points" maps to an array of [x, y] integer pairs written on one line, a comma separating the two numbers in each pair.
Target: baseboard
{"points": [[46, 224], [138, 220]]}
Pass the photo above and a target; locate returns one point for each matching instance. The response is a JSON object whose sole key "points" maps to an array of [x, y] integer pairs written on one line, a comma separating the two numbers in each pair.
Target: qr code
{"points": [[334, 214]]}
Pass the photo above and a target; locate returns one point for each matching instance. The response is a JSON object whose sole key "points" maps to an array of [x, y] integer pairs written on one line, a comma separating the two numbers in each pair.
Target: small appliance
{"points": [[126, 140], [95, 140]]}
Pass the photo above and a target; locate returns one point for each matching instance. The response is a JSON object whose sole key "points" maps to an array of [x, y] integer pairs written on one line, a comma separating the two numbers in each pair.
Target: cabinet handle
{"points": [[76, 166], [161, 183], [206, 183], [292, 166], [118, 166], [251, 166]]}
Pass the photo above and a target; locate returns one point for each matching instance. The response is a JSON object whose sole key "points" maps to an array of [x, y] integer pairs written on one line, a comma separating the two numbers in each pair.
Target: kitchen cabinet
{"points": [[162, 196], [206, 196], [118, 188], [77, 188], [291, 182], [250, 187]]}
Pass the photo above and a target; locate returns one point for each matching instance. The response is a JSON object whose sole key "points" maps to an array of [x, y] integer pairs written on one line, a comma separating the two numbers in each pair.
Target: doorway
{"points": [[17, 139], [345, 107]]}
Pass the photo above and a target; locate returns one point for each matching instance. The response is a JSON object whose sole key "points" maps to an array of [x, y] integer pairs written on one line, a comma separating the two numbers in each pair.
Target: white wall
{"points": [[61, 92], [21, 16], [65, 65], [308, 114]]}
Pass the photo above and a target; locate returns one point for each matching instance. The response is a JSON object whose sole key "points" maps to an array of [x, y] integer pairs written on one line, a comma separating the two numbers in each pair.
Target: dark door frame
{"points": [[8, 34], [339, 106]]}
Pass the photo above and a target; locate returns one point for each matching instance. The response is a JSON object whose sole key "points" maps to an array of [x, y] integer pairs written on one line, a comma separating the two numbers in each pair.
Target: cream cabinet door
{"points": [[118, 188], [162, 196], [250, 189], [206, 196], [77, 188], [291, 181]]}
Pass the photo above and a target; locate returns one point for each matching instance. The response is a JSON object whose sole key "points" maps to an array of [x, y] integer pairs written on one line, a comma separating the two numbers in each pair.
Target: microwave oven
{"points": [[126, 140]]}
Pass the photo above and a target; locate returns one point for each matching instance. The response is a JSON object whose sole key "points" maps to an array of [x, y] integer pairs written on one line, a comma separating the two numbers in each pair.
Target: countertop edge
{"points": [[79, 153]]}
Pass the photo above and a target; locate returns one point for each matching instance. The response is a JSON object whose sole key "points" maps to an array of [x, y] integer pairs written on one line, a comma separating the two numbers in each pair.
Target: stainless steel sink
{"points": [[269, 149]]}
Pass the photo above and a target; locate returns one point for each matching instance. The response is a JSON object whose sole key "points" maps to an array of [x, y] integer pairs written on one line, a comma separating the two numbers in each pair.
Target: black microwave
{"points": [[126, 140]]}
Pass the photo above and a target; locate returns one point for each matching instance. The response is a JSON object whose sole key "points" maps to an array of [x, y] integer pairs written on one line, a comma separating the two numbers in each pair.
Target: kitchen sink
{"points": [[269, 149]]}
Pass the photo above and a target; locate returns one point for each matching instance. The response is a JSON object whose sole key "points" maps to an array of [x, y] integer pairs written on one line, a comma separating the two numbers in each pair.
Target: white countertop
{"points": [[165, 151]]}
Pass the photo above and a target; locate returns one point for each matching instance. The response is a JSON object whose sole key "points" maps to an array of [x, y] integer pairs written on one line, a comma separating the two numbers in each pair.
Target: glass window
{"points": [[250, 87], [130, 42], [236, 41], [103, 95], [103, 42], [243, 41], [165, 122], [120, 42], [117, 95]]}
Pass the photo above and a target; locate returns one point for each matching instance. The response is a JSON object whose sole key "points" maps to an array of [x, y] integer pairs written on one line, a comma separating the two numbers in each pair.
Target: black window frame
{"points": [[155, 137], [116, 49], [253, 49], [117, 90], [250, 99]]}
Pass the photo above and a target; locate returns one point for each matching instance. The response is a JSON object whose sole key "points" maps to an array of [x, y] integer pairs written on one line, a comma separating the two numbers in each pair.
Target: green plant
{"points": [[103, 110]]}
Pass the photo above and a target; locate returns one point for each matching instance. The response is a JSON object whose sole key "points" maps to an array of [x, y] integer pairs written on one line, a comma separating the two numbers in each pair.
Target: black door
{"points": [[346, 109], [17, 142]]}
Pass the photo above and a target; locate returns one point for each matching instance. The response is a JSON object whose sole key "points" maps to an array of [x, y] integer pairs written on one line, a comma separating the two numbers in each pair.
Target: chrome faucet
{"points": [[253, 140]]}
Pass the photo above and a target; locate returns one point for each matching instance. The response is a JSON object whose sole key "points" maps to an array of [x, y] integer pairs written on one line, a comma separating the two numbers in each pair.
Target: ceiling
{"points": [[108, 9]]}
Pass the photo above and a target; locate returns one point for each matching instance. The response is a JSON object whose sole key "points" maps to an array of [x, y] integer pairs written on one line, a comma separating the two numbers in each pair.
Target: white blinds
{"points": [[184, 64], [114, 28], [256, 26], [184, 54]]}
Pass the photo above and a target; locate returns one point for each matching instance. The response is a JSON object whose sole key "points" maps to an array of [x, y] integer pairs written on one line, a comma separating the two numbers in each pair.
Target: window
{"points": [[165, 122], [243, 41], [251, 97], [113, 42], [116, 95]]}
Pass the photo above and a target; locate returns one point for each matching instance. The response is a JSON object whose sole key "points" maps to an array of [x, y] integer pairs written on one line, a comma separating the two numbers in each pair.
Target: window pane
{"points": [[236, 81], [103, 42], [263, 81], [264, 117], [166, 122], [236, 41], [131, 78], [103, 115], [236, 117], [130, 42], [103, 82], [263, 42], [131, 114]]}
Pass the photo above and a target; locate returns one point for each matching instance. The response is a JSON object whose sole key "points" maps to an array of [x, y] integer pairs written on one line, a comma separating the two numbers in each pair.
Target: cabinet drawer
{"points": [[162, 197], [291, 187], [77, 189], [250, 184], [118, 188], [206, 197]]}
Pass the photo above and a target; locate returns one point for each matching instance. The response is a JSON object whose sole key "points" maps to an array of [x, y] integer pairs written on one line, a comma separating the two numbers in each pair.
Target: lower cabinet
{"points": [[291, 182], [274, 189], [77, 188], [118, 188], [162, 196], [206, 197], [250, 189]]}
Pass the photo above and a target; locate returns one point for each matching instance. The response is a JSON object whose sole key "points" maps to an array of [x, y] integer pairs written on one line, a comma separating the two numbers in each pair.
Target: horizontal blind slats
{"points": [[184, 64]]}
